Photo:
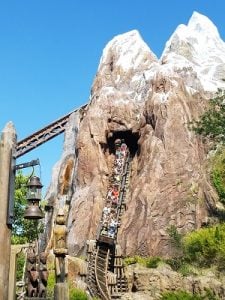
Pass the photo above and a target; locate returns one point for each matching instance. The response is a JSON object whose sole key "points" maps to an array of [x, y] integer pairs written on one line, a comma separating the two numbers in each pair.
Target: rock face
{"points": [[149, 284], [149, 102]]}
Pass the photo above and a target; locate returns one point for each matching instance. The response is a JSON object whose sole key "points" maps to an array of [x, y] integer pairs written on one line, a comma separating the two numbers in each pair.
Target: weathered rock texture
{"points": [[150, 103], [149, 284]]}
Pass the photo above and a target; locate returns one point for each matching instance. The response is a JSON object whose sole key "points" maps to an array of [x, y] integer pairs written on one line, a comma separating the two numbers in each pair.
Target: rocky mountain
{"points": [[149, 102]]}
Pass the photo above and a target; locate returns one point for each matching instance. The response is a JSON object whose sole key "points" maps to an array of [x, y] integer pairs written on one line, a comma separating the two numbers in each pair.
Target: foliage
{"points": [[209, 295], [23, 230], [200, 248], [206, 246], [176, 263], [20, 202], [211, 123], [77, 294], [182, 295], [18, 240], [218, 173], [153, 262], [176, 237], [179, 295], [74, 293], [51, 283], [149, 262], [130, 260], [20, 266], [181, 265]]}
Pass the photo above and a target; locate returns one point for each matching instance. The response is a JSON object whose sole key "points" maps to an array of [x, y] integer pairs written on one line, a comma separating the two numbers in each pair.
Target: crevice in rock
{"points": [[134, 287], [111, 66], [65, 176], [104, 147], [151, 119]]}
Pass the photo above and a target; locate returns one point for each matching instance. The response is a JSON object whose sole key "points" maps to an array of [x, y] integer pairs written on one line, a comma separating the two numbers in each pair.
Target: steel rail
{"points": [[45, 134]]}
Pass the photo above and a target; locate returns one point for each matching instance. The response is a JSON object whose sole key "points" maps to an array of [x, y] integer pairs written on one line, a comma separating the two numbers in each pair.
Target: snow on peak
{"points": [[198, 46], [195, 52], [127, 51], [203, 25]]}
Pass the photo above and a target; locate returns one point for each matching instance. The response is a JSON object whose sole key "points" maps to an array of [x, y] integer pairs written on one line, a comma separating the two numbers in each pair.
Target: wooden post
{"points": [[61, 291], [15, 250], [7, 145]]}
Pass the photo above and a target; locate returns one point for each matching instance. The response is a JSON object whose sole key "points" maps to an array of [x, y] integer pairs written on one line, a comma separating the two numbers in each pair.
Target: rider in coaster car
{"points": [[117, 142]]}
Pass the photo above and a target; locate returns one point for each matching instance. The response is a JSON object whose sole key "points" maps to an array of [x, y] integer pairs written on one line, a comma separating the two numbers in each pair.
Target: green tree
{"points": [[212, 123], [211, 126], [23, 230]]}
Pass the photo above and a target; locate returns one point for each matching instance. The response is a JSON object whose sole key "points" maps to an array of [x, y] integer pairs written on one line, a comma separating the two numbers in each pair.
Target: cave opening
{"points": [[129, 137]]}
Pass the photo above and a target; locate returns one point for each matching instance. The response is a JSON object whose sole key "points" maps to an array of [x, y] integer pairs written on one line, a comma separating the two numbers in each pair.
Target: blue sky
{"points": [[50, 52]]}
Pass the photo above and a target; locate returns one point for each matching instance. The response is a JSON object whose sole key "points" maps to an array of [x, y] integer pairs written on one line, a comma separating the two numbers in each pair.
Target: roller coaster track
{"points": [[45, 134], [106, 278], [101, 268]]}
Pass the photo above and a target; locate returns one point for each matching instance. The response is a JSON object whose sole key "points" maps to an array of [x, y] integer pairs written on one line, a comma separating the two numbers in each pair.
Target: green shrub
{"points": [[51, 284], [201, 248], [218, 173], [77, 294], [74, 293], [206, 246], [185, 269], [175, 236], [209, 295], [175, 262], [18, 240], [180, 265], [149, 262], [20, 261], [130, 260], [182, 295], [153, 262]]}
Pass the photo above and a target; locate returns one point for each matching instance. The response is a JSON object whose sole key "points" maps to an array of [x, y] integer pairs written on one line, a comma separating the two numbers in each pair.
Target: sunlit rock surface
{"points": [[151, 102], [149, 284]]}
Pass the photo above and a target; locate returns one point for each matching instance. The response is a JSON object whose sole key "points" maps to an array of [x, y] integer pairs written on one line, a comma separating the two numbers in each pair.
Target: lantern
{"points": [[33, 211]]}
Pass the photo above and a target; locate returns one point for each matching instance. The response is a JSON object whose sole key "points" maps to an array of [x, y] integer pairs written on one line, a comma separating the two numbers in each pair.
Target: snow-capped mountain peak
{"points": [[198, 46], [127, 51], [203, 25]]}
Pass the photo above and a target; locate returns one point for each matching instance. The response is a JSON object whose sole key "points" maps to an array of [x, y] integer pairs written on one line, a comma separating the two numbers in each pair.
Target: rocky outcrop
{"points": [[149, 103], [151, 283]]}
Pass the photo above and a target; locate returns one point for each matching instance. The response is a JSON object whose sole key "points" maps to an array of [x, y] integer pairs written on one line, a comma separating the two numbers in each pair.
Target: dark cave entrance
{"points": [[129, 137]]}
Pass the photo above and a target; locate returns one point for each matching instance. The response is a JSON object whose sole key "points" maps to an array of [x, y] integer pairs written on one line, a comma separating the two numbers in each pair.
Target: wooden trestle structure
{"points": [[106, 276]]}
